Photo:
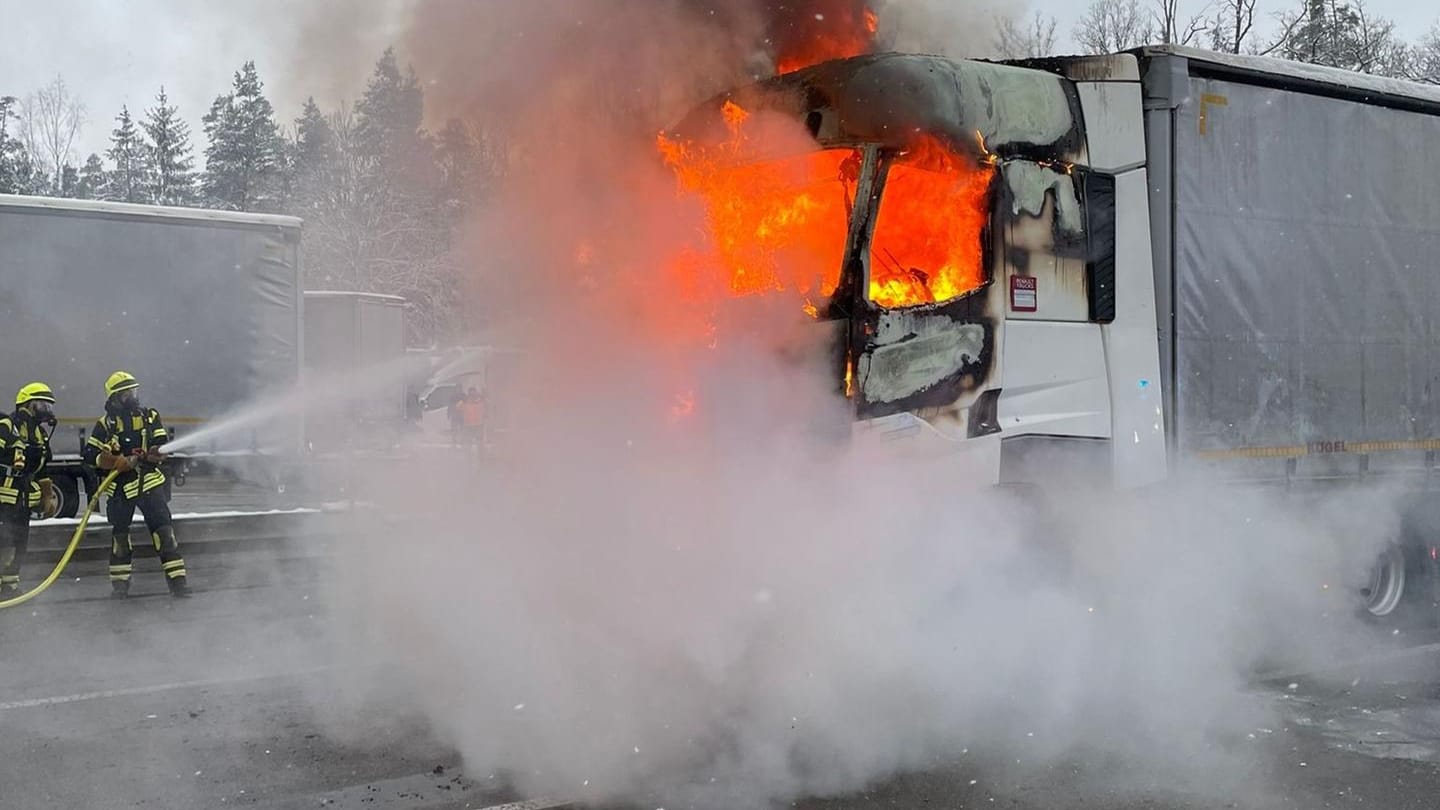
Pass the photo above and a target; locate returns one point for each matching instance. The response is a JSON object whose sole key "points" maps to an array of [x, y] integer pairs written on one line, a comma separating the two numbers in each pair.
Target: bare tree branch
{"points": [[1425, 58], [1289, 26], [1233, 23], [1113, 25], [50, 120], [1032, 42], [1168, 26]]}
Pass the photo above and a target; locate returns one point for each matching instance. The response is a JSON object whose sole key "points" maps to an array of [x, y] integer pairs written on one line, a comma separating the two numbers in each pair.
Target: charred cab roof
{"points": [[890, 98]]}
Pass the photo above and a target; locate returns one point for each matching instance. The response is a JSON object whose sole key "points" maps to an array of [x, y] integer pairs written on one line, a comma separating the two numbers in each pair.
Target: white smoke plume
{"points": [[721, 604]]}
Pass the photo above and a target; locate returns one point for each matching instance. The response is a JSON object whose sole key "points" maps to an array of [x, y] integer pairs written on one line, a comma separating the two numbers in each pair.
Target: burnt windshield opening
{"points": [[932, 223]]}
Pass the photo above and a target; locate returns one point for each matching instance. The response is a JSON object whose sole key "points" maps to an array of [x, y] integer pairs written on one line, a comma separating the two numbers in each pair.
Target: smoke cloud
{"points": [[672, 581]]}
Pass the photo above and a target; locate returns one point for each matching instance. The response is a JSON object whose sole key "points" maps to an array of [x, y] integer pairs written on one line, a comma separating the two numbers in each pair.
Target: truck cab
{"points": [[990, 213]]}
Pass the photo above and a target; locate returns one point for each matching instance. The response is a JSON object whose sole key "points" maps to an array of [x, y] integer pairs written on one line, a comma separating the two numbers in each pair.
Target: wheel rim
{"points": [[1387, 583]]}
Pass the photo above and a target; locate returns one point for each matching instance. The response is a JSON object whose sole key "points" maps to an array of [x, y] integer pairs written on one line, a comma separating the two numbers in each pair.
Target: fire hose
{"points": [[69, 550]]}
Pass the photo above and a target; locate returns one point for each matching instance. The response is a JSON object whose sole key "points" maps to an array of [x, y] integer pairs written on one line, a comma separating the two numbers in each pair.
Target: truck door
{"points": [[923, 330]]}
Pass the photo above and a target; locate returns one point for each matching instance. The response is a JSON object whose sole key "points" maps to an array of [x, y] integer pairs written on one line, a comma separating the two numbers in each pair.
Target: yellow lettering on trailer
{"points": [[1207, 101]]}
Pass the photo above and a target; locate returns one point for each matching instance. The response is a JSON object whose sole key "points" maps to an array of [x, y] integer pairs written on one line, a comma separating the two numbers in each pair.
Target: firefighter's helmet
{"points": [[120, 381], [35, 392]]}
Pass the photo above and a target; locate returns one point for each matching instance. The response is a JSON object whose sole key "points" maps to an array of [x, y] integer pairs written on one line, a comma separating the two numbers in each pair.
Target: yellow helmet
{"points": [[35, 392], [120, 381]]}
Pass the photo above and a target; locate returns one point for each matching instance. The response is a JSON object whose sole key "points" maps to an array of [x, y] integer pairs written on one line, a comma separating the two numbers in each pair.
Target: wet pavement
{"points": [[232, 699]]}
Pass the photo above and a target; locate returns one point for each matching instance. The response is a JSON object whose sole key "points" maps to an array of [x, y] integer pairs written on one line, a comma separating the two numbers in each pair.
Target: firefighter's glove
{"points": [[112, 461], [154, 456]]}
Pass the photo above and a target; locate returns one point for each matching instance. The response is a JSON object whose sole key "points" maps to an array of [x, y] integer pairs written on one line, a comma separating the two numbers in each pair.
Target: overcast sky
{"points": [[115, 52]]}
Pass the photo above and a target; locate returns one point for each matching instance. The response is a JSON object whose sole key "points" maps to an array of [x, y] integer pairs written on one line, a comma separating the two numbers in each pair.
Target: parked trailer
{"points": [[1190, 261], [208, 309], [351, 338], [203, 306]]}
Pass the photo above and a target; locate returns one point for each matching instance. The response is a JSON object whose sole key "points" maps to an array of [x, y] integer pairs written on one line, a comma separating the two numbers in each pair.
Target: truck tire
{"points": [[1400, 589]]}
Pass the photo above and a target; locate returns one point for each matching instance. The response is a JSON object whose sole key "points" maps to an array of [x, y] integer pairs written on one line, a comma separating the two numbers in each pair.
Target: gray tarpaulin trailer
{"points": [[204, 307], [1296, 239], [355, 340]]}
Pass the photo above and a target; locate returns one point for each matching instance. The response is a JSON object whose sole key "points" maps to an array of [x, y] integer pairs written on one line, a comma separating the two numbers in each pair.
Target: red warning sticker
{"points": [[1024, 293]]}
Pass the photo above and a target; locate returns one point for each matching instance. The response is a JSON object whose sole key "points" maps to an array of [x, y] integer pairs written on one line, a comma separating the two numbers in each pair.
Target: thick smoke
{"points": [[673, 581]]}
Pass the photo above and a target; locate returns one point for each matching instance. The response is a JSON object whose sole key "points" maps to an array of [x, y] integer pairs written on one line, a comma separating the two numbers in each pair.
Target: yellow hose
{"points": [[69, 550]]}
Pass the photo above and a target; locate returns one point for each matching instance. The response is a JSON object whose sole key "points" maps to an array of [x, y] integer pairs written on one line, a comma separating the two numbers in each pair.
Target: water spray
{"points": [[326, 391]]}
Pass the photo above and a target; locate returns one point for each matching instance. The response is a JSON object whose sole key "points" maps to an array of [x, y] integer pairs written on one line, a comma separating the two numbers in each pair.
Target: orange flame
{"points": [[835, 34], [927, 245], [781, 225], [772, 226]]}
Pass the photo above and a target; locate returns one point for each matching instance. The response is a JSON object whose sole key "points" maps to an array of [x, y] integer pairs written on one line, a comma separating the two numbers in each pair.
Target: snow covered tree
{"points": [[245, 157], [69, 185], [129, 180], [389, 115], [1343, 34], [172, 176], [91, 179], [1113, 25], [19, 173], [312, 157], [10, 147], [1425, 58]]}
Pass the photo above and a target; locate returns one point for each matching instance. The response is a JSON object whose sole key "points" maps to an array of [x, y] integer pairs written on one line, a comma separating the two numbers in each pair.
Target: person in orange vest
{"points": [[472, 417]]}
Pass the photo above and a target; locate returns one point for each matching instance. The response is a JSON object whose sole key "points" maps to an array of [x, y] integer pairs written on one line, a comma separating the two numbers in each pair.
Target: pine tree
{"points": [[19, 171], [130, 179], [1343, 34], [172, 177], [312, 156], [463, 167], [389, 115], [69, 181], [244, 160], [314, 138], [30, 178], [92, 178], [10, 147]]}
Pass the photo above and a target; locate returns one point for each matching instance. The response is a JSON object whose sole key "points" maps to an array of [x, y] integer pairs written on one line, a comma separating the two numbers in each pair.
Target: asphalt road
{"points": [[227, 700]]}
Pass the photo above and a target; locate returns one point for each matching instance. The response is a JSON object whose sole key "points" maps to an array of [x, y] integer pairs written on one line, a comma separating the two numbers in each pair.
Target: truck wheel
{"points": [[1385, 590], [1399, 588]]}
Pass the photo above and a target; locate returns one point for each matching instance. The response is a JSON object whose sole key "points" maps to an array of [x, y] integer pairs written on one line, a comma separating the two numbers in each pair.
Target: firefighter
{"points": [[25, 453], [128, 438]]}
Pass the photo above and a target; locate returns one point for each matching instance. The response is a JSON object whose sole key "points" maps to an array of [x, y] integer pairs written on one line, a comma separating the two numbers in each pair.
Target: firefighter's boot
{"points": [[171, 562], [9, 573], [121, 554], [179, 588]]}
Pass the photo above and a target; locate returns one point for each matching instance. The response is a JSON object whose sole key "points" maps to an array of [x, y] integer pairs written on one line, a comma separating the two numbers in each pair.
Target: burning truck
{"points": [[1114, 268]]}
